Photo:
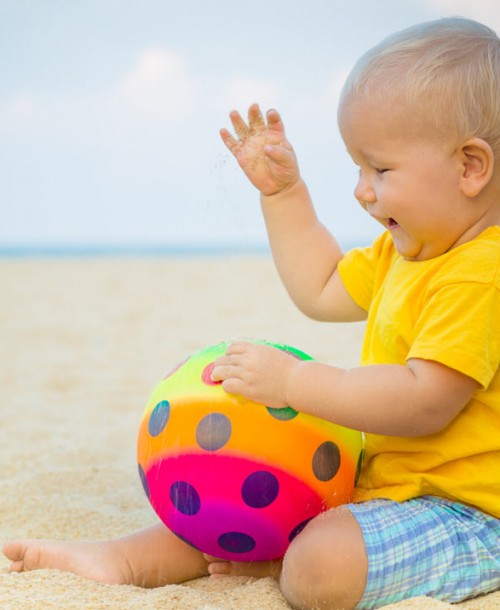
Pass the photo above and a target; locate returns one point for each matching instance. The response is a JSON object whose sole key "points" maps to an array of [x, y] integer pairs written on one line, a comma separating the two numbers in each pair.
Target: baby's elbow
{"points": [[319, 314], [434, 419], [330, 312], [311, 309]]}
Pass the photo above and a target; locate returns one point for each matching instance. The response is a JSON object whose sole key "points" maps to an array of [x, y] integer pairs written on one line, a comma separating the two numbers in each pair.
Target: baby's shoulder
{"points": [[477, 260]]}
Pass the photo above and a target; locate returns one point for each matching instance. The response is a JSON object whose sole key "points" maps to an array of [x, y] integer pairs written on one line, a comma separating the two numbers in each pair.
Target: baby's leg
{"points": [[151, 557], [325, 567]]}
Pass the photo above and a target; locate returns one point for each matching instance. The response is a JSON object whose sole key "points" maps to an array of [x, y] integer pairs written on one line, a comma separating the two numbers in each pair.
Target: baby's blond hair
{"points": [[446, 71]]}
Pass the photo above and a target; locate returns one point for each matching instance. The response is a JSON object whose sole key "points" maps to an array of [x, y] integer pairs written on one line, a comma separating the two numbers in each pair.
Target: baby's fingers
{"points": [[231, 143], [255, 119], [238, 347], [234, 386], [274, 121], [231, 382], [242, 130], [223, 368], [240, 127]]}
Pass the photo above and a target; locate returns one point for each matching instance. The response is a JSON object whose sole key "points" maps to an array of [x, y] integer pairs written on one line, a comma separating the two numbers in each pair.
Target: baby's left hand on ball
{"points": [[257, 372]]}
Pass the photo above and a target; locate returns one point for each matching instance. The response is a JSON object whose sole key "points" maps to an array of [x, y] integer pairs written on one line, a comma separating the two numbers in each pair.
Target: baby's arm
{"points": [[420, 398], [305, 253]]}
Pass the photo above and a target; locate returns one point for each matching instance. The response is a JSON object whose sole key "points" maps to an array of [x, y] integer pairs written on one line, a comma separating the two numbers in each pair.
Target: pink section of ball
{"points": [[206, 375], [215, 512]]}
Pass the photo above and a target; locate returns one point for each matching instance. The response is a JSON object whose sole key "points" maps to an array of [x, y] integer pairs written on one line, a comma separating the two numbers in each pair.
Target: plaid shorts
{"points": [[427, 546]]}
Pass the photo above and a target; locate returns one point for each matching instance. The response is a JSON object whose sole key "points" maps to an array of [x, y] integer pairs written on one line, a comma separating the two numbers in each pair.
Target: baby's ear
{"points": [[477, 162]]}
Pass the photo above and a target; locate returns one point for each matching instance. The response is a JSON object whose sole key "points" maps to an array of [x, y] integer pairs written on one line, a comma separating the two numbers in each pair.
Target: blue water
{"points": [[98, 251], [141, 250]]}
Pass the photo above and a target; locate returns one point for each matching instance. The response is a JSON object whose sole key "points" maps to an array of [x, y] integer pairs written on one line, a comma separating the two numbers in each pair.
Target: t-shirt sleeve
{"points": [[460, 328], [360, 267]]}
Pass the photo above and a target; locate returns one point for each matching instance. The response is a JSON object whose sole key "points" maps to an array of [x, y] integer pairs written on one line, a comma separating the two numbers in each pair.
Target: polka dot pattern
{"points": [[359, 466], [144, 481], [185, 498], [326, 461], [283, 414], [297, 529], [201, 514], [260, 489], [213, 431], [233, 478], [206, 375], [236, 542], [159, 418]]}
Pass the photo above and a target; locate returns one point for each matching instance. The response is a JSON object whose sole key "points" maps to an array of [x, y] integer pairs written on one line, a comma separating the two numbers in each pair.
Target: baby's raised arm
{"points": [[305, 253]]}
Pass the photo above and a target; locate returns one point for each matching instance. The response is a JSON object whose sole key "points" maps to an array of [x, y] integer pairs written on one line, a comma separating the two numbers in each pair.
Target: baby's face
{"points": [[407, 182]]}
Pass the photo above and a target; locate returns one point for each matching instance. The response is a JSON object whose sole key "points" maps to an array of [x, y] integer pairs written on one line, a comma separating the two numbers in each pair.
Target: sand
{"points": [[83, 342]]}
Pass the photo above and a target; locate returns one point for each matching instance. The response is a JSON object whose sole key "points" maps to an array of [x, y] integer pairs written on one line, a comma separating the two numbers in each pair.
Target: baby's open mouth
{"points": [[391, 223]]}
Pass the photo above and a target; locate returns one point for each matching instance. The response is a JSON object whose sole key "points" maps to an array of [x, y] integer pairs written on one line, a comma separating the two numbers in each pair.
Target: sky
{"points": [[110, 112]]}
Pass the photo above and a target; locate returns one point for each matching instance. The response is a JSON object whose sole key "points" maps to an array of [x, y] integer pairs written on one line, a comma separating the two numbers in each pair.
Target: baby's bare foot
{"points": [[255, 569], [99, 561]]}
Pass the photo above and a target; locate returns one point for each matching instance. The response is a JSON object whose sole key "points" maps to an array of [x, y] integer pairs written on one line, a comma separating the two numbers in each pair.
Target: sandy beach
{"points": [[83, 343]]}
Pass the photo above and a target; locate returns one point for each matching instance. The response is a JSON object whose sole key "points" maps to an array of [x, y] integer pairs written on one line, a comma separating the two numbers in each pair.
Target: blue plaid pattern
{"points": [[427, 546]]}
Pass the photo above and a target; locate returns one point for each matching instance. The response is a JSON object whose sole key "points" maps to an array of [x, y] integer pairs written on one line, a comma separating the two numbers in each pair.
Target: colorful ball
{"points": [[234, 478]]}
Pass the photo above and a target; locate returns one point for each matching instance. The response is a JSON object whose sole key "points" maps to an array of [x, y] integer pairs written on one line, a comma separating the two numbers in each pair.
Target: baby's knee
{"points": [[304, 574], [297, 581], [323, 567]]}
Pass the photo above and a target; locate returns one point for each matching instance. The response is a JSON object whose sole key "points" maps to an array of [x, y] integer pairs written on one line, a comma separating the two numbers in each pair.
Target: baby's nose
{"points": [[364, 192]]}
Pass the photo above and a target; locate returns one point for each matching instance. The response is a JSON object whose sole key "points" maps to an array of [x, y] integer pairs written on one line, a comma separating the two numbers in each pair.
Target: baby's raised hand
{"points": [[262, 150]]}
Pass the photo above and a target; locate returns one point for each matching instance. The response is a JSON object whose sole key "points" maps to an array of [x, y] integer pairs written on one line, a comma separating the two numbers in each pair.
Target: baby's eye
{"points": [[381, 170]]}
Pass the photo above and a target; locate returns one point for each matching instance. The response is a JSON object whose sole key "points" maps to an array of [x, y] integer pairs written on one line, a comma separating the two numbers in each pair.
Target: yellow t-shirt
{"points": [[446, 309]]}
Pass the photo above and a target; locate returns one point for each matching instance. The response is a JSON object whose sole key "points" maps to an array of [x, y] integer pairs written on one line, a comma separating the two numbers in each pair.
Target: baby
{"points": [[420, 117]]}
